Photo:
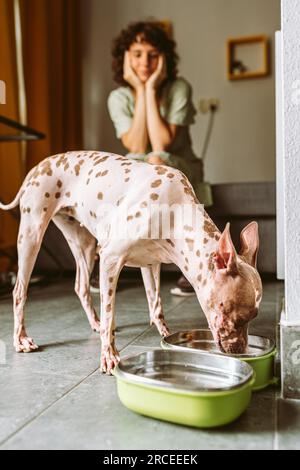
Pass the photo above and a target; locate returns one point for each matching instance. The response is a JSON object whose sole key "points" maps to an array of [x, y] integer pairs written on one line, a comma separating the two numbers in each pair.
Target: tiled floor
{"points": [[57, 399]]}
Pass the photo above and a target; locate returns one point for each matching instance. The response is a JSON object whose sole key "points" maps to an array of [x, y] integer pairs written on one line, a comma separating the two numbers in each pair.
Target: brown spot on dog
{"points": [[204, 282], [90, 172], [66, 166], [81, 162], [101, 173], [217, 237], [45, 168], [68, 194], [88, 181], [205, 240], [100, 196], [77, 169], [120, 200], [57, 195], [129, 217], [47, 195], [190, 243], [198, 253], [110, 292], [199, 278], [138, 214], [108, 308], [184, 182], [62, 160], [186, 268], [186, 260], [127, 170], [102, 159], [170, 242], [170, 175], [126, 180], [59, 183], [144, 204], [161, 170], [209, 228], [211, 262], [126, 164], [110, 279], [156, 183], [188, 228], [154, 196], [28, 209], [45, 209]]}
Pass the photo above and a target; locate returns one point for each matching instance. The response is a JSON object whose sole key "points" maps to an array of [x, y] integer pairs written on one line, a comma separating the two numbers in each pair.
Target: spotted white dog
{"points": [[71, 188]]}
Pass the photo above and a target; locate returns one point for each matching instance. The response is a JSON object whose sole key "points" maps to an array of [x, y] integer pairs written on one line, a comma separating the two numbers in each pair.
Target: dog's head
{"points": [[235, 290]]}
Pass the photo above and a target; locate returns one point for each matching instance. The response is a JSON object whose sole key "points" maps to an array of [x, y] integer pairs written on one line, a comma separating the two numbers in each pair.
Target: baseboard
{"points": [[290, 360]]}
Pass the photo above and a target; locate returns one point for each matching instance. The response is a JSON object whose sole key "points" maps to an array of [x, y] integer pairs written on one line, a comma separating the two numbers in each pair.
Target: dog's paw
{"points": [[96, 326], [164, 331], [25, 344], [109, 360], [162, 328]]}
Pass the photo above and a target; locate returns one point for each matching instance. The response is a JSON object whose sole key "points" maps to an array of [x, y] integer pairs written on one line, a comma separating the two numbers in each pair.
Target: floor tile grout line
{"points": [[3, 442], [46, 408], [276, 435], [8, 438], [137, 337], [149, 327]]}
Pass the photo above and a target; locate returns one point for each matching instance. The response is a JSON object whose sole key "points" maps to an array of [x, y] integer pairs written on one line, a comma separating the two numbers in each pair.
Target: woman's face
{"points": [[143, 59]]}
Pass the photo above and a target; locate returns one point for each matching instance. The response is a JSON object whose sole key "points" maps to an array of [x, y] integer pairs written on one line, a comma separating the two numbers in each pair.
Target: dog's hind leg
{"points": [[83, 247], [151, 278], [31, 232]]}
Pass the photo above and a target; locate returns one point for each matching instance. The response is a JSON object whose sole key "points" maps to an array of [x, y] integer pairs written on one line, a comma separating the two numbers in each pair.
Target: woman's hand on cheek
{"points": [[128, 73], [159, 75]]}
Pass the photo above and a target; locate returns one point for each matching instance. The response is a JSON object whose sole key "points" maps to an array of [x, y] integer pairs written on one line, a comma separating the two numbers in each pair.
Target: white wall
{"points": [[291, 127], [243, 141]]}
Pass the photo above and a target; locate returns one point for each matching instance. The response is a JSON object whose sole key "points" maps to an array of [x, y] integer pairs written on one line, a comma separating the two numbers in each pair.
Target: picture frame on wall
{"points": [[247, 57]]}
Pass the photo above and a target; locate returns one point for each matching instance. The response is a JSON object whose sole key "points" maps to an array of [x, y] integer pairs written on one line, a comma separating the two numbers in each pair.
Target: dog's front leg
{"points": [[110, 269]]}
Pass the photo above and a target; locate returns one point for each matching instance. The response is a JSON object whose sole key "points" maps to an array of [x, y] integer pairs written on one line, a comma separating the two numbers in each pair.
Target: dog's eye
{"points": [[239, 323]]}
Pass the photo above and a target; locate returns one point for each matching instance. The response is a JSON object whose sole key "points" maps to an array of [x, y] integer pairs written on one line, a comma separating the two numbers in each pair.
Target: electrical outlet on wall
{"points": [[207, 104]]}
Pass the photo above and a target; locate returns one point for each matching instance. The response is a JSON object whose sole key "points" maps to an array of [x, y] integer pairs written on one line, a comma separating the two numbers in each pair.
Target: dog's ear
{"points": [[250, 243], [226, 256]]}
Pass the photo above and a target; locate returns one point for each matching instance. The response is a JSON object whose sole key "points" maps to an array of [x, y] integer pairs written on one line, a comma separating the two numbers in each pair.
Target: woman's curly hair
{"points": [[150, 32]]}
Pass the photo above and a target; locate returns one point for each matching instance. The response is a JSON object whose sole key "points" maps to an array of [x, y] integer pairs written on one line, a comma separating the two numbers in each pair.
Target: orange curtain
{"points": [[10, 153], [52, 62], [51, 37]]}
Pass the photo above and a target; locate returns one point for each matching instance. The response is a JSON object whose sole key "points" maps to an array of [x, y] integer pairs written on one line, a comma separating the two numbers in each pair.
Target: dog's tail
{"points": [[14, 203]]}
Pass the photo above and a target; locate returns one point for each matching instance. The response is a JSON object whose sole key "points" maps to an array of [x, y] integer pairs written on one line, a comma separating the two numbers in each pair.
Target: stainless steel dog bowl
{"points": [[260, 353], [202, 390]]}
